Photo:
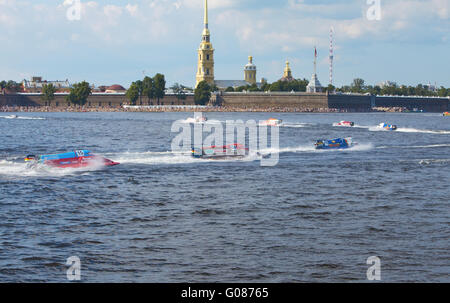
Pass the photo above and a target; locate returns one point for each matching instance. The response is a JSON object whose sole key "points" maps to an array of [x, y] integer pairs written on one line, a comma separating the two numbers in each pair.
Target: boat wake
{"points": [[21, 117], [167, 158], [413, 130], [434, 161], [296, 125], [410, 130], [416, 146], [312, 149], [16, 168]]}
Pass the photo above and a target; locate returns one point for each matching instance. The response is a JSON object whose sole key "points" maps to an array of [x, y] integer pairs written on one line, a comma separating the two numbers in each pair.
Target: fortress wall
{"points": [[97, 100], [350, 102], [263, 101], [275, 100], [427, 104]]}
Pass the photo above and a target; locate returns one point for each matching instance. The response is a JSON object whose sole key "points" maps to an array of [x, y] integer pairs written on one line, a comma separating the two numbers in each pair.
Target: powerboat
{"points": [[220, 152], [346, 124], [272, 122], [12, 117], [75, 159], [386, 126], [340, 143], [446, 114], [199, 119]]}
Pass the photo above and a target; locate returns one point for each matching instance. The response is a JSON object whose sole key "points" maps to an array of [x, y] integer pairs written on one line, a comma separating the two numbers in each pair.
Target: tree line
{"points": [[359, 86], [155, 88], [149, 88]]}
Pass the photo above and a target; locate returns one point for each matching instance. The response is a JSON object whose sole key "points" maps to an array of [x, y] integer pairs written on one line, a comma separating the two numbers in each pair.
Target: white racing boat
{"points": [[272, 122], [200, 119]]}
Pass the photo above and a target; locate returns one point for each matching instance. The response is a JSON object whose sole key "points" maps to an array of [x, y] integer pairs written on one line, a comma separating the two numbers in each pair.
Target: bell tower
{"points": [[205, 69], [250, 71]]}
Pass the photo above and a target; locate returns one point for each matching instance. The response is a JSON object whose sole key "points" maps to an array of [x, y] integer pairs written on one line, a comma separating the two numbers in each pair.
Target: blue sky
{"points": [[115, 41]]}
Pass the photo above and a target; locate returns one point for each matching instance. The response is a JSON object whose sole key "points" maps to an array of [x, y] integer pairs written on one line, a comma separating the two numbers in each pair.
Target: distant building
{"points": [[250, 71], [205, 67], [287, 75], [36, 83], [115, 89], [314, 85], [205, 70], [387, 84]]}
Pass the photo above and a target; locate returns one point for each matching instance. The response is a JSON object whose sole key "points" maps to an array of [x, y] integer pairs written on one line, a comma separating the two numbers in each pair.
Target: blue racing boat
{"points": [[386, 126], [340, 143]]}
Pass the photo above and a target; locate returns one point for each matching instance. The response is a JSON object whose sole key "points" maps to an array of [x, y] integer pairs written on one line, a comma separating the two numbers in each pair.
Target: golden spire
{"points": [[206, 13], [206, 29], [205, 70], [287, 76]]}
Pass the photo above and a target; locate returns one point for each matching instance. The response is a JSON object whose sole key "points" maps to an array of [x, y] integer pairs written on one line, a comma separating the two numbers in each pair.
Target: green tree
{"points": [[140, 87], [148, 88], [159, 86], [133, 93], [358, 85], [229, 89], [202, 93], [48, 92], [253, 88], [331, 88], [179, 91], [79, 93]]}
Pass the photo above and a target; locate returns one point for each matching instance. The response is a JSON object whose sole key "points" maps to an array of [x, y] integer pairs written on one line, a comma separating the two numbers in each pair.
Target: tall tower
{"points": [[331, 55], [314, 85], [287, 75], [250, 71], [205, 70]]}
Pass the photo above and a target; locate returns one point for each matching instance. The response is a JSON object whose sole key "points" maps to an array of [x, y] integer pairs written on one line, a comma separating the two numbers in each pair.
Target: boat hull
{"points": [[76, 159], [80, 162], [334, 144]]}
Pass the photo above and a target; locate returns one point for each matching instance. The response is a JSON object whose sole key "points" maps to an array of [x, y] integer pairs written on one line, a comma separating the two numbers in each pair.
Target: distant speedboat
{"points": [[220, 152], [346, 124], [446, 114], [75, 159], [272, 122], [12, 117], [340, 143], [386, 126], [200, 119]]}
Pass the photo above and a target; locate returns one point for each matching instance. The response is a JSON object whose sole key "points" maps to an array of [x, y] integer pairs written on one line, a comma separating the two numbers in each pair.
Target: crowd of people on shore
{"points": [[167, 109]]}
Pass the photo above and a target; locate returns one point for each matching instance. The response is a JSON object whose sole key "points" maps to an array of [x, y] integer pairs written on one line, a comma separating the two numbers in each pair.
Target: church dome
{"points": [[116, 87], [250, 65]]}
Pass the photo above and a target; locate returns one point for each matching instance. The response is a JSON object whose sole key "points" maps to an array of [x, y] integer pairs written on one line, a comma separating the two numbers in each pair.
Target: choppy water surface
{"points": [[163, 217]]}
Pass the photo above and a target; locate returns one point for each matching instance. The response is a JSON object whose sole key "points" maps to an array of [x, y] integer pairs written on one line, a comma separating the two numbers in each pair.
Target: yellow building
{"points": [[205, 70], [287, 76], [250, 71]]}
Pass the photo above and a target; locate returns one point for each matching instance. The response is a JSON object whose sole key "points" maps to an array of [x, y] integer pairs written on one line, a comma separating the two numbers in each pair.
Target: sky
{"points": [[117, 42]]}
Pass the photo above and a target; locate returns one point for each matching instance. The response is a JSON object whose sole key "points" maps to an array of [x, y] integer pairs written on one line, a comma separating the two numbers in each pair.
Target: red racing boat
{"points": [[346, 123], [75, 159], [220, 152]]}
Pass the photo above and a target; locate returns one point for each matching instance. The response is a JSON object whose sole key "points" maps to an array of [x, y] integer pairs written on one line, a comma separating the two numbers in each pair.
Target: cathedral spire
{"points": [[206, 14], [205, 70]]}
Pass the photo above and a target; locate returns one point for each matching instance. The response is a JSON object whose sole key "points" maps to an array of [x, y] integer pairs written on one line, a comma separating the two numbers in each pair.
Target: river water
{"points": [[317, 216]]}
